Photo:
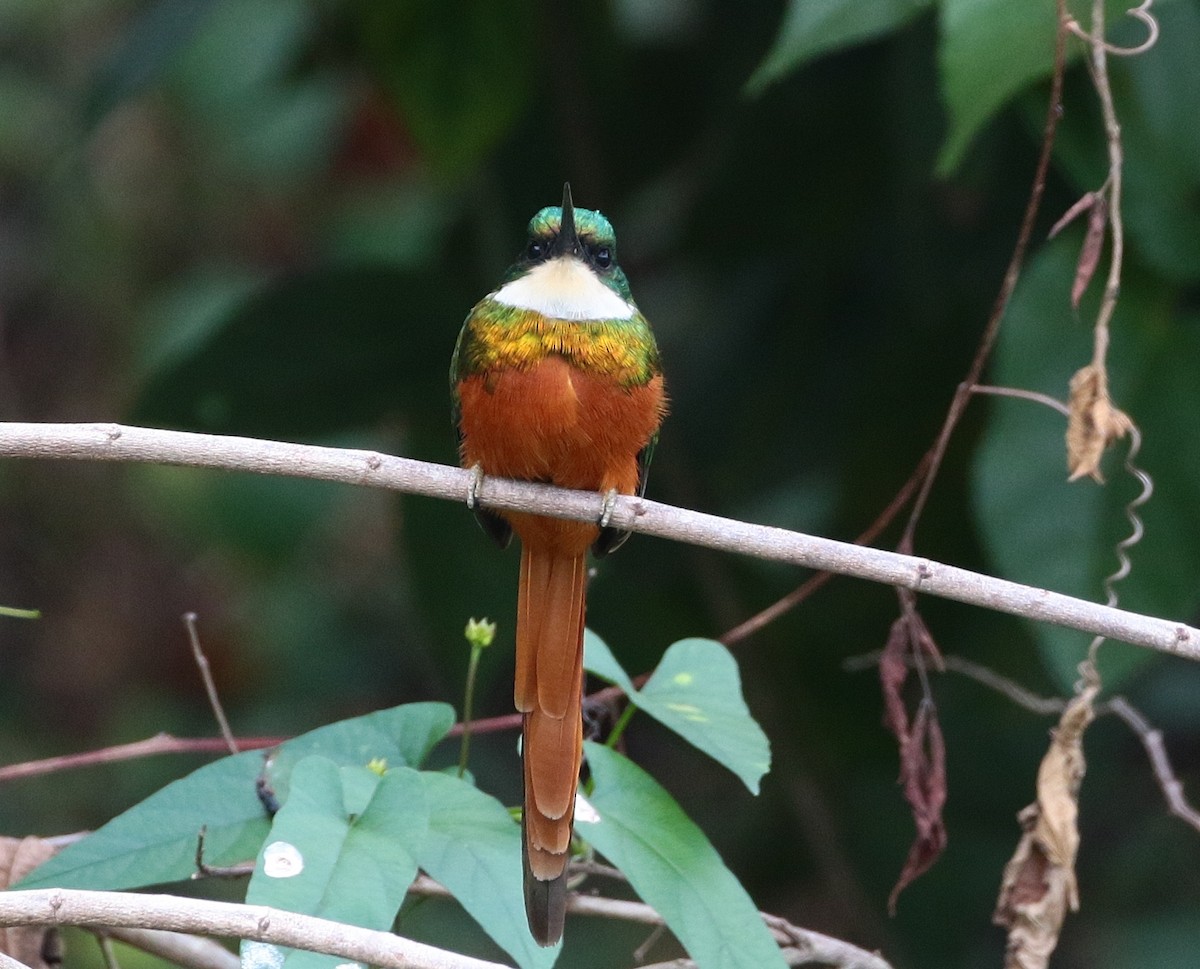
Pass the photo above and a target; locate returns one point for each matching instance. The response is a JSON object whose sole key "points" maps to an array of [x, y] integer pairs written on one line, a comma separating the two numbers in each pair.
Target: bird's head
{"points": [[569, 267]]}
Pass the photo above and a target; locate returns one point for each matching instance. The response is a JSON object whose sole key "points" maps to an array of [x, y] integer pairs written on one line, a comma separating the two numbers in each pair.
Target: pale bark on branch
{"points": [[133, 915], [114, 442], [256, 923]]}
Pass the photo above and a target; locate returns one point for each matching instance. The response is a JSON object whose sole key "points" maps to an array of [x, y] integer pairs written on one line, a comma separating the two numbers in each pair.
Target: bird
{"points": [[556, 378]]}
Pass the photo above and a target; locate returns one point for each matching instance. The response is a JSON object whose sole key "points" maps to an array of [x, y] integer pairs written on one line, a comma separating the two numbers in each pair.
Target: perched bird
{"points": [[556, 379]]}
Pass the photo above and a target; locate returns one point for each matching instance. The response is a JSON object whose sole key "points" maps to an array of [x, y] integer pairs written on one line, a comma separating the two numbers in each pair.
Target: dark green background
{"points": [[269, 217]]}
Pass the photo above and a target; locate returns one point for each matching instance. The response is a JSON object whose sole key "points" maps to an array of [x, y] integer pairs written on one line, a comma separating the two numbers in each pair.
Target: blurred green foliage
{"points": [[269, 217]]}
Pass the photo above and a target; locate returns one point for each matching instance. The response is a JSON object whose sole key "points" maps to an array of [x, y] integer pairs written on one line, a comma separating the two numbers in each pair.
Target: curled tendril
{"points": [[1140, 12], [1136, 531]]}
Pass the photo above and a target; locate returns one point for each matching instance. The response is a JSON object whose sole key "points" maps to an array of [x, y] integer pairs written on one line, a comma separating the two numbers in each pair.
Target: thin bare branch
{"points": [[984, 675], [1151, 737], [162, 743], [1152, 740], [1140, 12], [210, 688], [1012, 274], [189, 951], [111, 442], [811, 585], [822, 948], [106, 951], [1022, 394]]}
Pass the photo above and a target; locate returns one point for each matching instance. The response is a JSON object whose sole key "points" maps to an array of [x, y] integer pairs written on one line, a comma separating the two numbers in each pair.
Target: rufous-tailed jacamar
{"points": [[556, 379]]}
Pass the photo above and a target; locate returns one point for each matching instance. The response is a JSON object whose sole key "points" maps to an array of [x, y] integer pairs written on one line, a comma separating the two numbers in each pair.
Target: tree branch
{"points": [[188, 951], [162, 743], [114, 442], [258, 923]]}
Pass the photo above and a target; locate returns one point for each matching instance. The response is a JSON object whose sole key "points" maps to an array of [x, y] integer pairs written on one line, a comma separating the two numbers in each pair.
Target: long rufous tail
{"points": [[549, 687]]}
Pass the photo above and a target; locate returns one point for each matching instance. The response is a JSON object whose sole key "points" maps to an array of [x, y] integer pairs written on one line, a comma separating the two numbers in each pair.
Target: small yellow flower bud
{"points": [[480, 632]]}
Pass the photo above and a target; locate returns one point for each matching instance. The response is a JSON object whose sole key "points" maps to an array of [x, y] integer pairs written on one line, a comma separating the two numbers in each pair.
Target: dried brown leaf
{"points": [[922, 748], [1093, 423], [1085, 203], [1038, 887], [923, 773], [1089, 252], [29, 944]]}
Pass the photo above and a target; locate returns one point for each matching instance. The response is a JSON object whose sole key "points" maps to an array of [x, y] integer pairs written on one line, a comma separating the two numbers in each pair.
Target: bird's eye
{"points": [[602, 257], [535, 250]]}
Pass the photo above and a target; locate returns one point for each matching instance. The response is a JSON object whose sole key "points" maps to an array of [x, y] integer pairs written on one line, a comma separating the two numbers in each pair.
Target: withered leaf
{"points": [[1038, 887], [1085, 203], [922, 748], [1096, 206], [1093, 423]]}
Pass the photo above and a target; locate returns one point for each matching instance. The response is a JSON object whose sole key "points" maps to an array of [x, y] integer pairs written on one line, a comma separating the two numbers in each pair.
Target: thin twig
{"points": [[1014, 691], [210, 687], [1140, 12], [1022, 394], [110, 442], [163, 743], [1116, 163], [811, 585], [1151, 737], [1152, 741], [189, 951], [1112, 192], [823, 948], [204, 870], [649, 942], [596, 868], [106, 951], [992, 329]]}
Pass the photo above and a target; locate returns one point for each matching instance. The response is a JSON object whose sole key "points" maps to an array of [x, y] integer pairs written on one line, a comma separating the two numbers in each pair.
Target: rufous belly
{"points": [[557, 424]]}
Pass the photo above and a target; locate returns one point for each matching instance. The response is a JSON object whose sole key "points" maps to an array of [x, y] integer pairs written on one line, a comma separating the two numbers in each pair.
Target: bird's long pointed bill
{"points": [[567, 243]]}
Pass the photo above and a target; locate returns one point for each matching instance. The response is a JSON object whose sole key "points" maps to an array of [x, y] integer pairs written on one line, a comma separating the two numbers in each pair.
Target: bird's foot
{"points": [[475, 484], [609, 506]]}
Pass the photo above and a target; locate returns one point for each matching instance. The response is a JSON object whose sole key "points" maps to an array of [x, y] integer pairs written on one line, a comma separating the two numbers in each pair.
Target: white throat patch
{"points": [[564, 289]]}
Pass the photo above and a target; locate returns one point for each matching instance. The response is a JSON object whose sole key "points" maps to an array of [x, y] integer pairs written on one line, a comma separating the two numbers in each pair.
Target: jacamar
{"points": [[556, 379]]}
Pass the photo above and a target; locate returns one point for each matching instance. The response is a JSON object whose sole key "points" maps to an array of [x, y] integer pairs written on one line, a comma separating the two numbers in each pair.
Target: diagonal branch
{"points": [[114, 442]]}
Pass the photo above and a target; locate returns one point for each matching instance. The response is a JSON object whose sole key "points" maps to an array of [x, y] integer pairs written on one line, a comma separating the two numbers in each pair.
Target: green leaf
{"points": [[460, 73], [1040, 530], [155, 841], [814, 27], [473, 847], [1162, 157], [322, 859], [599, 661], [673, 867], [402, 736], [989, 51], [695, 691]]}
